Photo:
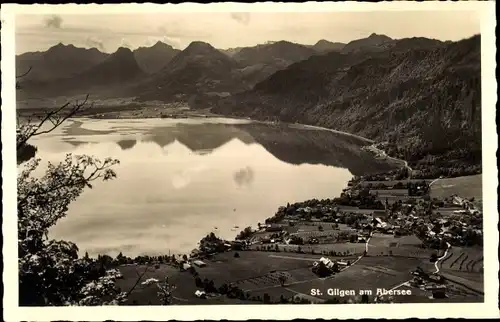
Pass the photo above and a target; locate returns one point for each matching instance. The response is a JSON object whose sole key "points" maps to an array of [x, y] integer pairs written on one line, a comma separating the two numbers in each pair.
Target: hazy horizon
{"points": [[223, 30]]}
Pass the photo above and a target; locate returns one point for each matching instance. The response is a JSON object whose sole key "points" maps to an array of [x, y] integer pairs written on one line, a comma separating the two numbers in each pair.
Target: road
{"points": [[305, 126], [384, 155], [361, 256], [312, 259], [433, 181], [440, 258], [298, 258], [405, 283]]}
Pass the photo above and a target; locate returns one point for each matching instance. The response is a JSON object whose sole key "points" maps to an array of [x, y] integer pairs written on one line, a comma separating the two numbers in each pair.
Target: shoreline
{"points": [[377, 151], [205, 113], [346, 256], [346, 208], [197, 114]]}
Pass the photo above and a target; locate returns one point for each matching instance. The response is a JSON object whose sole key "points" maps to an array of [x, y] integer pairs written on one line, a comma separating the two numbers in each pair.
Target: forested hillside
{"points": [[421, 98]]}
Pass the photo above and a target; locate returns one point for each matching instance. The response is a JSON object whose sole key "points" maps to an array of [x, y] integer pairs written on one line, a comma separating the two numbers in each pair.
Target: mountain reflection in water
{"points": [[287, 143], [177, 179]]}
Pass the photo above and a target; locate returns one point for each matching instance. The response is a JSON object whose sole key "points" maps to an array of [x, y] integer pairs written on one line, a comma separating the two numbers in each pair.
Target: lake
{"points": [[179, 179]]}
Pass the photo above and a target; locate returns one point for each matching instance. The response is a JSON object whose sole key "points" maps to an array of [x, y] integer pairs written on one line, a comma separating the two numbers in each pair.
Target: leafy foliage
{"points": [[50, 271]]}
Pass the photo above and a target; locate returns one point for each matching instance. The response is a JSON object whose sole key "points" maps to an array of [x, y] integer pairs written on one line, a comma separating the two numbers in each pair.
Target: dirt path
{"points": [[384, 155], [436, 264], [305, 126], [179, 299], [290, 257], [405, 283], [361, 256], [310, 259], [433, 181]]}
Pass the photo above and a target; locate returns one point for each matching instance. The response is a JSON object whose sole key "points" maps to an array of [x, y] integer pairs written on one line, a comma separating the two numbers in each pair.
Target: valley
{"points": [[209, 136]]}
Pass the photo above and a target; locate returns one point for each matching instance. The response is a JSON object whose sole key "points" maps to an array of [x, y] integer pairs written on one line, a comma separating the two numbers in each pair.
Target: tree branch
{"points": [[20, 76], [54, 117], [138, 279], [71, 182]]}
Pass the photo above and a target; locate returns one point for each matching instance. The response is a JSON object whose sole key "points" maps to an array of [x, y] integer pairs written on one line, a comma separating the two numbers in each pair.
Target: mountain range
{"points": [[107, 76], [422, 93]]}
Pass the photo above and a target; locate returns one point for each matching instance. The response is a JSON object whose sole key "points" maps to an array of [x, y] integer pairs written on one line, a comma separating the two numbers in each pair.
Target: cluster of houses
{"points": [[325, 266], [433, 282]]}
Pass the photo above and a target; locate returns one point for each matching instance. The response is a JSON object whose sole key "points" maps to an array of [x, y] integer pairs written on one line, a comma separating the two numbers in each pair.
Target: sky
{"points": [[107, 32]]}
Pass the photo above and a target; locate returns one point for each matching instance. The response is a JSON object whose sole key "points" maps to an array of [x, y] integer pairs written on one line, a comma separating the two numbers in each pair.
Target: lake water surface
{"points": [[181, 179]]}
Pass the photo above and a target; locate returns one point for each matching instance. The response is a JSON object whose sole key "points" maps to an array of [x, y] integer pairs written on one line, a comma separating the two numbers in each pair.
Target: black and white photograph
{"points": [[211, 158]]}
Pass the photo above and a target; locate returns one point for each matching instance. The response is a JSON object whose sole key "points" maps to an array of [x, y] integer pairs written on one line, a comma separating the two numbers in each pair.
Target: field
{"points": [[356, 210], [369, 273], [387, 265], [252, 271], [389, 192], [392, 182], [316, 233], [402, 247], [388, 240], [463, 260], [393, 199], [258, 273], [466, 187], [225, 268], [353, 248], [312, 226], [147, 295], [448, 212]]}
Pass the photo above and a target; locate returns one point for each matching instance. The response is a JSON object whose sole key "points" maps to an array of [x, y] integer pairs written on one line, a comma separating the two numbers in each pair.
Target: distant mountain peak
{"points": [[324, 45], [161, 44], [123, 50], [199, 45], [123, 53], [200, 48], [61, 46], [154, 58], [322, 41], [379, 36], [374, 42]]}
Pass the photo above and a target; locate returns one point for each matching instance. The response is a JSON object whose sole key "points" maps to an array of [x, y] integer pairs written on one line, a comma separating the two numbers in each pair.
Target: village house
{"points": [[274, 227], [199, 263]]}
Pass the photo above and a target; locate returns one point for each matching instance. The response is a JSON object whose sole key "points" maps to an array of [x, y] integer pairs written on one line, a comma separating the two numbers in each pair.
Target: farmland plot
{"points": [[316, 233], [350, 248], [147, 294], [466, 187], [357, 278], [250, 264], [464, 259], [392, 182]]}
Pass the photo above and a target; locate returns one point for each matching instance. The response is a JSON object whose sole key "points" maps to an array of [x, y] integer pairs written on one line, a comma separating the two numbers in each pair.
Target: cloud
{"points": [[125, 43], [172, 41], [54, 21], [244, 177], [94, 42], [174, 30], [241, 17]]}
